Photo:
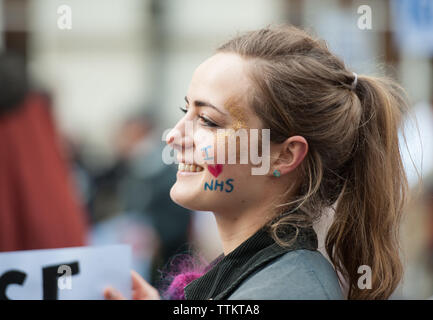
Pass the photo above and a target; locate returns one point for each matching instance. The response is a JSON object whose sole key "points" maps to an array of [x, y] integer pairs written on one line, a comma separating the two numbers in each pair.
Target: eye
{"points": [[207, 122]]}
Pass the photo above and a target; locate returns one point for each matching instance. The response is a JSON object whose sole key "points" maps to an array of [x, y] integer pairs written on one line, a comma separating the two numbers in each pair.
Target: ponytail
{"points": [[353, 162], [365, 231]]}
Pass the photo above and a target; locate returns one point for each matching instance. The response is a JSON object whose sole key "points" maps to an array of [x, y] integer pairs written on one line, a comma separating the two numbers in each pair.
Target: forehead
{"points": [[219, 79]]}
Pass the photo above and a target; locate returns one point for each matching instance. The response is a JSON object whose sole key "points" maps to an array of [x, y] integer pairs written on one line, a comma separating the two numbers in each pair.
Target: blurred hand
{"points": [[141, 290]]}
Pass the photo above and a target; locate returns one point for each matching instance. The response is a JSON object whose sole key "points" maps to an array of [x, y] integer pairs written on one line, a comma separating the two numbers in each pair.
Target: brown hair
{"points": [[353, 164]]}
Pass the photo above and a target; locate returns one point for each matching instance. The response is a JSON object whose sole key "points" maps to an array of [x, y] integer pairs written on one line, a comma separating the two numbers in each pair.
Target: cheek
{"points": [[223, 180], [236, 183], [232, 147], [223, 151], [204, 141], [213, 146]]}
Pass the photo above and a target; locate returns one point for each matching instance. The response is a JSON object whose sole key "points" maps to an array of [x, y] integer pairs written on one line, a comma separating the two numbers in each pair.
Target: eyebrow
{"points": [[199, 103]]}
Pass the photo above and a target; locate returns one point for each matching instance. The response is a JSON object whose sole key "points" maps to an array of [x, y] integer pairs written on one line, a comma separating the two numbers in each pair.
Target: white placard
{"points": [[78, 273]]}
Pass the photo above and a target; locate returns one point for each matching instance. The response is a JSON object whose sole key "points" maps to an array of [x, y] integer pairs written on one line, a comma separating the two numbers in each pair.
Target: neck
{"points": [[236, 227]]}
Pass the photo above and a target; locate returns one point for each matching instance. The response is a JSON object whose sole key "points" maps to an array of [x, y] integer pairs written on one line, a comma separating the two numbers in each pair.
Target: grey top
{"points": [[296, 275], [261, 269]]}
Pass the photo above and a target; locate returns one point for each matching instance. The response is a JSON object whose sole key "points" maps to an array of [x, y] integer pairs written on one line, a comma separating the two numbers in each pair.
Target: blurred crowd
{"points": [[51, 198]]}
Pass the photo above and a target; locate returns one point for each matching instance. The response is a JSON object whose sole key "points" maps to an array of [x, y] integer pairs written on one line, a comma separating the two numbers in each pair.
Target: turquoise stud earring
{"points": [[277, 173]]}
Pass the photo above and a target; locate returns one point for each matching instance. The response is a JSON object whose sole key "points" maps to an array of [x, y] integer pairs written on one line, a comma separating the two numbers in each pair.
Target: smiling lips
{"points": [[215, 170], [189, 167]]}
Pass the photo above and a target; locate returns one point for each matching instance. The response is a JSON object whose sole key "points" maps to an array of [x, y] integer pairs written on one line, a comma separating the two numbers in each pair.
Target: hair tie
{"points": [[355, 81]]}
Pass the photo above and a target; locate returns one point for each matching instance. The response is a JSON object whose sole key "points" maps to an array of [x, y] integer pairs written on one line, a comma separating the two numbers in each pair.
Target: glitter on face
{"points": [[237, 113]]}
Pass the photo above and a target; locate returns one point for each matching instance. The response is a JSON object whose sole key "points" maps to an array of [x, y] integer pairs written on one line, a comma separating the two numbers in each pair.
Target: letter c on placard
{"points": [[10, 277]]}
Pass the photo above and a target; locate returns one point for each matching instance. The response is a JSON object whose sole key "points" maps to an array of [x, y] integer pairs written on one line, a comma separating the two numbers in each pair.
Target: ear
{"points": [[292, 153]]}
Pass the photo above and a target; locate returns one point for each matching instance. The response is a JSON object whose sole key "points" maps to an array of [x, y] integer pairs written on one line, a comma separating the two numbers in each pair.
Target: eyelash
{"points": [[206, 121]]}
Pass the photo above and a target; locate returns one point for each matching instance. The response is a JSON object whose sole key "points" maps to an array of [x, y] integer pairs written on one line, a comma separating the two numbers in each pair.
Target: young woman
{"points": [[333, 146]]}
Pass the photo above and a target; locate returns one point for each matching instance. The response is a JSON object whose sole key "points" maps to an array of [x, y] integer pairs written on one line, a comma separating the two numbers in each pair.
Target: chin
{"points": [[195, 201], [184, 198]]}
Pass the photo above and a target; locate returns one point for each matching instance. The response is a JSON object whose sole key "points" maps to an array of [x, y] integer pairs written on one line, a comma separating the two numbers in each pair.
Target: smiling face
{"points": [[216, 100]]}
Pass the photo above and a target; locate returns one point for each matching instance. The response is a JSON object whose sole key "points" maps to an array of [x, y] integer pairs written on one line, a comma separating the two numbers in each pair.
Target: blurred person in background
{"points": [[146, 217], [145, 189], [39, 207]]}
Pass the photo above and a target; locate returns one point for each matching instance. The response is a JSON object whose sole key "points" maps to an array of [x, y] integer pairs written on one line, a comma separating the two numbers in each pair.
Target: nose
{"points": [[181, 136], [169, 139]]}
